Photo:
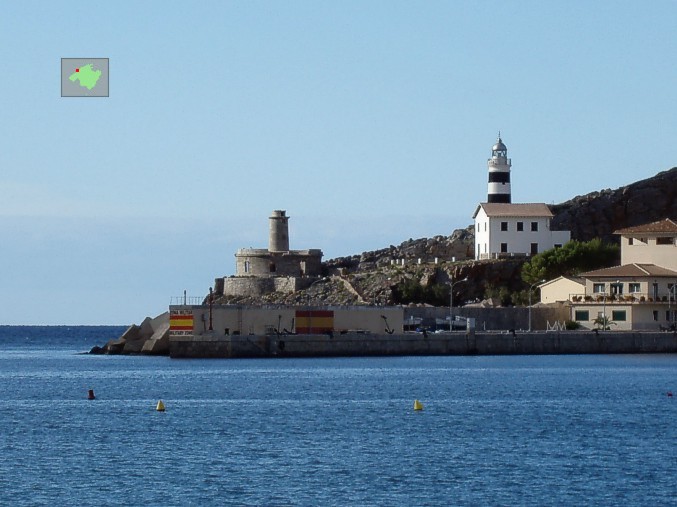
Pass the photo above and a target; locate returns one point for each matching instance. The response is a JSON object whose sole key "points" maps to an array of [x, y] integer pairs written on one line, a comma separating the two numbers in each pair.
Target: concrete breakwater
{"points": [[481, 343]]}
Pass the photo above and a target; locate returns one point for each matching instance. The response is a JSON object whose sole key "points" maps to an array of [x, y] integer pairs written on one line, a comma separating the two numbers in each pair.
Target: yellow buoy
{"points": [[418, 405], [160, 406]]}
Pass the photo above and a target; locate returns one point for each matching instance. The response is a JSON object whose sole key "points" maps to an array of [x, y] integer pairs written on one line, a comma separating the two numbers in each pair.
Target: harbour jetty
{"points": [[211, 345]]}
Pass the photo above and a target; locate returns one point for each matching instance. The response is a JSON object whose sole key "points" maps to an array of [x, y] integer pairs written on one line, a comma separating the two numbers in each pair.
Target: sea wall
{"points": [[481, 343]]}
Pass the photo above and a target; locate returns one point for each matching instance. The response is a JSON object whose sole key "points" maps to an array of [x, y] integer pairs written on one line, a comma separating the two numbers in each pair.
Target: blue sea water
{"points": [[520, 430]]}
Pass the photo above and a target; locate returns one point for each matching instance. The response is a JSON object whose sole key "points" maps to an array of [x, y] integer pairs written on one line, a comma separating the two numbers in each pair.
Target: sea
{"points": [[494, 430]]}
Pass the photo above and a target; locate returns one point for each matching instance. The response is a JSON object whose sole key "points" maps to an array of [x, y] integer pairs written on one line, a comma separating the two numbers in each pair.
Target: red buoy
{"points": [[91, 396]]}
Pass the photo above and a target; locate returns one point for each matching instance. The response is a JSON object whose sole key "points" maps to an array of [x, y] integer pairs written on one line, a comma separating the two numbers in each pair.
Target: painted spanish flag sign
{"points": [[181, 320], [314, 321]]}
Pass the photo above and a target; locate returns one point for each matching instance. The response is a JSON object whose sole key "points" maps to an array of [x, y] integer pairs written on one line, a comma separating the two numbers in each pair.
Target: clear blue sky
{"points": [[369, 122]]}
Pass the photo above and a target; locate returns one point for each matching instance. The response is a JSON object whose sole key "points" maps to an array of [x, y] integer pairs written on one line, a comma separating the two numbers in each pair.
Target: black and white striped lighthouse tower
{"points": [[499, 173]]}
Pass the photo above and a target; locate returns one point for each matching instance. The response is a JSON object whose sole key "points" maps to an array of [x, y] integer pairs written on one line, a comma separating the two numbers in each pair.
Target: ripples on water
{"points": [[538, 430]]}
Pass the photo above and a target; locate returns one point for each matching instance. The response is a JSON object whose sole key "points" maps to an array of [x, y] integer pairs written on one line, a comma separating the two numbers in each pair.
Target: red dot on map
{"points": [[77, 70]]}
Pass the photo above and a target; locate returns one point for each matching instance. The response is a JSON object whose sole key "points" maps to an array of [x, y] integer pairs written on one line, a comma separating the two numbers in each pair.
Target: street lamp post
{"points": [[672, 296], [451, 300], [530, 288], [604, 309]]}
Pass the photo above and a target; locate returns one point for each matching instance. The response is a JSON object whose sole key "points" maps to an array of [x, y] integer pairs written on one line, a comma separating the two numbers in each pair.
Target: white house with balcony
{"points": [[639, 294], [505, 229]]}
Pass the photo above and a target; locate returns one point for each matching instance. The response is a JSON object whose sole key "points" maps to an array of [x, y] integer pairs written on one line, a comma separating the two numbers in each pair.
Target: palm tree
{"points": [[603, 322]]}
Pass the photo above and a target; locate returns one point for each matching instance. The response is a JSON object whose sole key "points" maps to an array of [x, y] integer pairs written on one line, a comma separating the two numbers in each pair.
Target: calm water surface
{"points": [[523, 430]]}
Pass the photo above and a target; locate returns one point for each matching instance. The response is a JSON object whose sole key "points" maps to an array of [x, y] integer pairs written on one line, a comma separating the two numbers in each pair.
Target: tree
{"points": [[603, 322], [572, 258]]}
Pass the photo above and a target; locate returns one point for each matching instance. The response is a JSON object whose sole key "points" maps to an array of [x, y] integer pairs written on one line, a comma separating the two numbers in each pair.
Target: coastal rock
{"points": [[115, 346], [599, 214]]}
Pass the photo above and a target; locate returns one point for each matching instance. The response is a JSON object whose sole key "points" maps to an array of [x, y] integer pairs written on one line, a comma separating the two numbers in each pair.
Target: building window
{"points": [[598, 288], [534, 248], [655, 291], [485, 227], [504, 248], [582, 315], [664, 241], [667, 315], [520, 226], [617, 288], [630, 241], [504, 226], [633, 287], [618, 315], [247, 266], [272, 267], [558, 245], [534, 226], [655, 315]]}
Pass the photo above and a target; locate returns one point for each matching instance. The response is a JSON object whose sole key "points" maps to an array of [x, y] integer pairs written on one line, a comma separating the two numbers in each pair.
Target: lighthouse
{"points": [[279, 232], [499, 173]]}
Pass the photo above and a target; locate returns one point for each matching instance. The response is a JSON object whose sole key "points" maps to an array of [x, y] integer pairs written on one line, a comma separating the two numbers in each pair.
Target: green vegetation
{"points": [[411, 291], [572, 258], [501, 293], [571, 325], [603, 322]]}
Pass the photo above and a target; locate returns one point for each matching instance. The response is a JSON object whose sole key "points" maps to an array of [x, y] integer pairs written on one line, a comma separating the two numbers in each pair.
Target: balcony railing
{"points": [[633, 297]]}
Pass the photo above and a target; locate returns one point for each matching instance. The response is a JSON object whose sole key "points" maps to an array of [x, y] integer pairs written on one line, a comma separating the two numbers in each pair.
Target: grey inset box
{"points": [[84, 77]]}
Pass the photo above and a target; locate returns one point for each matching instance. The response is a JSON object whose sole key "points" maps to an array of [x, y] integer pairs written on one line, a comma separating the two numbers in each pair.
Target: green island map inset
{"points": [[86, 75]]}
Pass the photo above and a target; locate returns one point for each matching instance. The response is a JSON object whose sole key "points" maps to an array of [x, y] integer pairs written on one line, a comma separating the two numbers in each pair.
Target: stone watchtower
{"points": [[279, 232], [260, 271], [499, 173]]}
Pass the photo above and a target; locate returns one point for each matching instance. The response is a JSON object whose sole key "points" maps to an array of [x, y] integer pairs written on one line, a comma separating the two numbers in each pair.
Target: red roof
{"points": [[662, 226], [631, 271]]}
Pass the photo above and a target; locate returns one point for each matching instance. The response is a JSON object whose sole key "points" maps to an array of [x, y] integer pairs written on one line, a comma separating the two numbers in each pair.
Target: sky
{"points": [[370, 122]]}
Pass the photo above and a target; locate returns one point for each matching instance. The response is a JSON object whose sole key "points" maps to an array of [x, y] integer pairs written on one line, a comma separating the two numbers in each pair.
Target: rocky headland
{"points": [[420, 270]]}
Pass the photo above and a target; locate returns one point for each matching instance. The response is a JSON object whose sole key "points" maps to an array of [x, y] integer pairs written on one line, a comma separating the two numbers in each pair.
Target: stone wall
{"points": [[258, 286], [563, 342], [257, 262]]}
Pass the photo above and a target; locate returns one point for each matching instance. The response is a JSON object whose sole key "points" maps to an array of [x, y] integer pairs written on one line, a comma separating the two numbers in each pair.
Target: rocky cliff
{"points": [[599, 214], [373, 277]]}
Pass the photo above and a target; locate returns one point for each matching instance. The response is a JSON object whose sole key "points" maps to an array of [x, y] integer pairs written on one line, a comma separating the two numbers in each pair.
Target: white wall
{"points": [[649, 252], [488, 243]]}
